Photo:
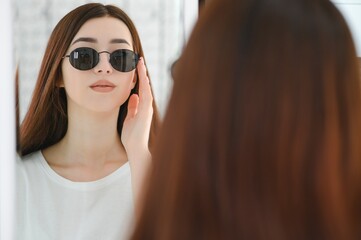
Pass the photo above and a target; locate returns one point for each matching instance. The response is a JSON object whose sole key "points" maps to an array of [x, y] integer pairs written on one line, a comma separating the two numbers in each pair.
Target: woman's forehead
{"points": [[104, 30]]}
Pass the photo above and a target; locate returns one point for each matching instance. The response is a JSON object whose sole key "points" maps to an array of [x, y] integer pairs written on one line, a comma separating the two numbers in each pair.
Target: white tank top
{"points": [[51, 207]]}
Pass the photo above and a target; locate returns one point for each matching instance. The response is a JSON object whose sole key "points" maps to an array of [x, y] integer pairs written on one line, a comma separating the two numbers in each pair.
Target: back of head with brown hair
{"points": [[261, 139], [46, 120]]}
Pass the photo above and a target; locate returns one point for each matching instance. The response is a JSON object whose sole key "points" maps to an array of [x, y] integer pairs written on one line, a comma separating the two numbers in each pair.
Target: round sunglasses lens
{"points": [[84, 58], [124, 60]]}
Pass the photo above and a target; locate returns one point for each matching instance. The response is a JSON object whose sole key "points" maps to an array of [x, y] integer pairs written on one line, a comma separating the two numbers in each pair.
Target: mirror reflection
{"points": [[93, 81]]}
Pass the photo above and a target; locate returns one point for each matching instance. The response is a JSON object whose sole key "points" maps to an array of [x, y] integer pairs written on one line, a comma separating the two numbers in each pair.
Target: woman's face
{"points": [[101, 88]]}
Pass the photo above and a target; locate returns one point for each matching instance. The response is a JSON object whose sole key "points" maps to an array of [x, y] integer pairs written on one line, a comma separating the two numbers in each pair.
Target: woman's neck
{"points": [[91, 145]]}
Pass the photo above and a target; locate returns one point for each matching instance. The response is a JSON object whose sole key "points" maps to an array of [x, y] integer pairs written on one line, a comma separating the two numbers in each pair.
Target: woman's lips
{"points": [[102, 86]]}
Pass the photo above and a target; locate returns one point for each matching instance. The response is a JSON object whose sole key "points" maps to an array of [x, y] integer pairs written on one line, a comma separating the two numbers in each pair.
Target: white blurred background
{"points": [[351, 10]]}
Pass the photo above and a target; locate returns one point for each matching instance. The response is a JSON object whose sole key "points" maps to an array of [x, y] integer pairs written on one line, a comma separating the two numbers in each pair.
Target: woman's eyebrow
{"points": [[119, 40], [85, 39], [93, 40]]}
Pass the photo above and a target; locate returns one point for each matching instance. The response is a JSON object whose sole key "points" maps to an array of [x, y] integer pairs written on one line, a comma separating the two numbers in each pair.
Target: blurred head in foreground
{"points": [[261, 139]]}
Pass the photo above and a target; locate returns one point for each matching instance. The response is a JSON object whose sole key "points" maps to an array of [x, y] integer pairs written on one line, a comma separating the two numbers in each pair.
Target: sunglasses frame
{"points": [[135, 57]]}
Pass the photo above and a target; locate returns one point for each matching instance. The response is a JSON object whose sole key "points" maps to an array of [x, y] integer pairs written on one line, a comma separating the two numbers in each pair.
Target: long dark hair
{"points": [[262, 135], [46, 120]]}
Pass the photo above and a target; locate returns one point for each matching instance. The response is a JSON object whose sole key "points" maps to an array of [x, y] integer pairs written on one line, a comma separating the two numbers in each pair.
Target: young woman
{"points": [[86, 138], [266, 113]]}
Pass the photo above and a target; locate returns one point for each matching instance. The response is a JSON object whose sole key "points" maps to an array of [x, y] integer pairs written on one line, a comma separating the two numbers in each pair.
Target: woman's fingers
{"points": [[145, 93]]}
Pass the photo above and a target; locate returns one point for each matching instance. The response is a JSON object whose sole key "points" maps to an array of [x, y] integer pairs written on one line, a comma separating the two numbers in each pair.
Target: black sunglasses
{"points": [[85, 58]]}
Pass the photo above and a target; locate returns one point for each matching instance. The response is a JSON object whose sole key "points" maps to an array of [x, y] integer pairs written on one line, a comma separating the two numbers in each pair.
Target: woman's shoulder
{"points": [[30, 156], [29, 160]]}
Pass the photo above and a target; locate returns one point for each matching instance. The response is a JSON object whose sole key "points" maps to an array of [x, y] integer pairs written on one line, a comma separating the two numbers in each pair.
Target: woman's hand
{"points": [[136, 126], [135, 134]]}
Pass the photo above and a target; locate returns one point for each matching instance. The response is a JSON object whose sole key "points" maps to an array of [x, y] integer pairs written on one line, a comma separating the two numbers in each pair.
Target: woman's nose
{"points": [[103, 65]]}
